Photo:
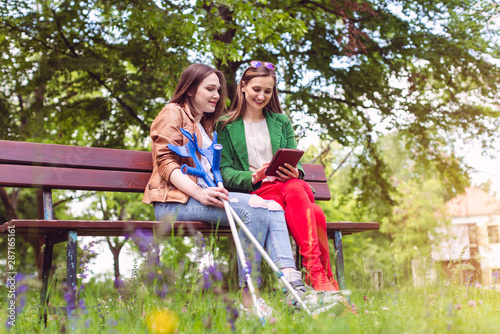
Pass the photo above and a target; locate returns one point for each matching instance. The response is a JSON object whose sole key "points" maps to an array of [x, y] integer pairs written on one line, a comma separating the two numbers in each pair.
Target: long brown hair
{"points": [[189, 82], [238, 107]]}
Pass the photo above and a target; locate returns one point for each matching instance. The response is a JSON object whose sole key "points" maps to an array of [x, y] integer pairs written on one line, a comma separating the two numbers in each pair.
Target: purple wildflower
{"points": [[22, 288], [70, 297], [201, 247], [232, 312], [144, 239], [162, 293], [215, 273], [81, 305], [211, 275], [207, 283], [494, 278], [118, 284]]}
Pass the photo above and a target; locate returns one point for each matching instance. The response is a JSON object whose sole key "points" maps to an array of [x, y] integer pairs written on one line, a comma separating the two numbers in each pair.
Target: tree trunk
{"points": [[116, 249]]}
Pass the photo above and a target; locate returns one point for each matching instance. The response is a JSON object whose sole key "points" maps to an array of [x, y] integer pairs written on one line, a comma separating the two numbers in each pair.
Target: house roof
{"points": [[474, 202]]}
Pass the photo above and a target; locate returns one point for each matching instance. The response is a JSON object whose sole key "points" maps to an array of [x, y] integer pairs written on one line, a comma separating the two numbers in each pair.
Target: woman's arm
{"points": [[166, 130], [232, 171]]}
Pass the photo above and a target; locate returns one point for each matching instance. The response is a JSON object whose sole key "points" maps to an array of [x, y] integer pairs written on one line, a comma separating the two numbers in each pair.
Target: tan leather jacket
{"points": [[165, 130]]}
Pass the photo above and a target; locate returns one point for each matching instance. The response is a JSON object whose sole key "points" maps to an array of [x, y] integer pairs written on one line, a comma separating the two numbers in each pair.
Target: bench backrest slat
{"points": [[72, 179], [24, 153], [314, 172], [24, 164]]}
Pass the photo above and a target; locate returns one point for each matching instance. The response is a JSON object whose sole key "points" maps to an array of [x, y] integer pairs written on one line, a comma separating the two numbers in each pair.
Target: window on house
{"points": [[493, 236]]}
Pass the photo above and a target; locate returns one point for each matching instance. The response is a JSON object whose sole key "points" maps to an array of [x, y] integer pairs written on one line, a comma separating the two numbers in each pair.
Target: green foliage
{"points": [[83, 72], [407, 227], [86, 72]]}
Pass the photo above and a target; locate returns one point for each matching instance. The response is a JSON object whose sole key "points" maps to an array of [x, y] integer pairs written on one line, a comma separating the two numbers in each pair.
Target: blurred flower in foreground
{"points": [[472, 303], [144, 239], [163, 322]]}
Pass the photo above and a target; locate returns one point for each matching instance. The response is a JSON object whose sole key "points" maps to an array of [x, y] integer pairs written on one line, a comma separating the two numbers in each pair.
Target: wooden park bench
{"points": [[48, 166]]}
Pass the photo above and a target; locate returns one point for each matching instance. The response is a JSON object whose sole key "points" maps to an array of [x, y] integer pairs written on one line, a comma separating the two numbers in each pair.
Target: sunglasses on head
{"points": [[257, 64]]}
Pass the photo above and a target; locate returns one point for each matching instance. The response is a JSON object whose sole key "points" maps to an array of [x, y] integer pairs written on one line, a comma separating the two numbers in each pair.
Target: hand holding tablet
{"points": [[282, 156]]}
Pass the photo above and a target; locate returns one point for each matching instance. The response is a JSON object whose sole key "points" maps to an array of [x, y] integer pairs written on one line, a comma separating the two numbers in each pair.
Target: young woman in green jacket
{"points": [[251, 133]]}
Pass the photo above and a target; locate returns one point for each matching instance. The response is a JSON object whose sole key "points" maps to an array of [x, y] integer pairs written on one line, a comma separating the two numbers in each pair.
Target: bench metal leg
{"points": [[71, 266], [46, 267], [339, 262], [48, 214], [298, 258]]}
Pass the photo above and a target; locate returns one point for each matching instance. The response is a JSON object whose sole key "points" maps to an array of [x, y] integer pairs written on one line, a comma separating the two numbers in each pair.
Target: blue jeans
{"points": [[265, 219]]}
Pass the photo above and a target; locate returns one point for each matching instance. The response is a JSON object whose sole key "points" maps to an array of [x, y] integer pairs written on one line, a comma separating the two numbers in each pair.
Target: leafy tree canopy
{"points": [[89, 72]]}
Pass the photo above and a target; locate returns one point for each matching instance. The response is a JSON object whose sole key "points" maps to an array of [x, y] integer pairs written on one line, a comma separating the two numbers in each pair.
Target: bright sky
{"points": [[485, 167]]}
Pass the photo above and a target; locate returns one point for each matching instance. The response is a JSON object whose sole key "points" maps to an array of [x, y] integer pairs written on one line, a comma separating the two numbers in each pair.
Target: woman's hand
{"points": [[206, 196], [259, 174], [287, 172], [212, 196]]}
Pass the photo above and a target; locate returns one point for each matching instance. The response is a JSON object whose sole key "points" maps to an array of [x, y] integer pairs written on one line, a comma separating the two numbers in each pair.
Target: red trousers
{"points": [[307, 223]]}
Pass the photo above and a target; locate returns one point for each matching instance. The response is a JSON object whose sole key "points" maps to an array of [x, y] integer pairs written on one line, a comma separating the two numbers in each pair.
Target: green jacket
{"points": [[234, 165]]}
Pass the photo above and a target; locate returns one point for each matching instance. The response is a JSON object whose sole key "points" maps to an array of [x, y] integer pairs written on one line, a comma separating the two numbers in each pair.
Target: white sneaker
{"points": [[330, 301], [316, 301], [265, 310]]}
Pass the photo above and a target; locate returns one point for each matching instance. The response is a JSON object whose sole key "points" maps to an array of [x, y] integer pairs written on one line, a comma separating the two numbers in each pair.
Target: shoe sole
{"points": [[335, 308]]}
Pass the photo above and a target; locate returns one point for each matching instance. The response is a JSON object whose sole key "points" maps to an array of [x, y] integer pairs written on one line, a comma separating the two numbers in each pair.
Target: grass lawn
{"points": [[175, 296], [136, 308]]}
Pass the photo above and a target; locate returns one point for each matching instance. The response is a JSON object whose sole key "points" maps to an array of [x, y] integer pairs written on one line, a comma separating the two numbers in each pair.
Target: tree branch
{"points": [[124, 105], [46, 45], [315, 97], [340, 165], [331, 11]]}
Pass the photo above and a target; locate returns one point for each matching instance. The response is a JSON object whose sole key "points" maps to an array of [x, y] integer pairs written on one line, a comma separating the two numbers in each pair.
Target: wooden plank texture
{"points": [[314, 172], [72, 179], [37, 227], [74, 156], [94, 179]]}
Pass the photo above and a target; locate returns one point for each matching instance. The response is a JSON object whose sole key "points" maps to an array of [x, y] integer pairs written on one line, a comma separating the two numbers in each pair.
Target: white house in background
{"points": [[473, 235]]}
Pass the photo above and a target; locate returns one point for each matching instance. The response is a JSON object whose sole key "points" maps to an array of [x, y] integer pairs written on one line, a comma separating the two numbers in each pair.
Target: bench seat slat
{"points": [[35, 227], [322, 192], [38, 227]]}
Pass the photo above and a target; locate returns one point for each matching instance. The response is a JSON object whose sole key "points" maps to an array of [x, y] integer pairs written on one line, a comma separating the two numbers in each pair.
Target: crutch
{"points": [[213, 154]]}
